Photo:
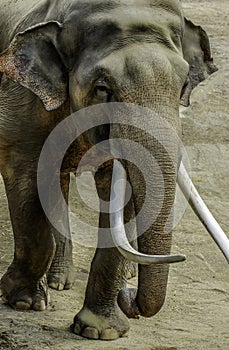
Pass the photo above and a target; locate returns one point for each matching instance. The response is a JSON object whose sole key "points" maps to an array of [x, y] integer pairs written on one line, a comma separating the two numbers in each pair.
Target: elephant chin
{"points": [[117, 222]]}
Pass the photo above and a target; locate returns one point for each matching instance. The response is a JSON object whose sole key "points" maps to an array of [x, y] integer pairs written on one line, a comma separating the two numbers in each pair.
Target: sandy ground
{"points": [[196, 312]]}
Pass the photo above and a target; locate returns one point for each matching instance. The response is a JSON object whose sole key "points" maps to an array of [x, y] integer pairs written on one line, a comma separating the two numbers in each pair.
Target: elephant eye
{"points": [[102, 91]]}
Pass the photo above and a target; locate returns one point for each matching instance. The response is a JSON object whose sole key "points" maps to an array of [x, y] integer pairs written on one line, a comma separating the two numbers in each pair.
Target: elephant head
{"points": [[149, 56]]}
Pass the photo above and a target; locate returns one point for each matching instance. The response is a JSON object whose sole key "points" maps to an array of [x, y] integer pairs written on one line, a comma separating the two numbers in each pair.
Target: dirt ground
{"points": [[196, 312]]}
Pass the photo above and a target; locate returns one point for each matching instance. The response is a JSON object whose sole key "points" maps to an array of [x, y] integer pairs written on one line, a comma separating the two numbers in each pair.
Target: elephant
{"points": [[59, 57]]}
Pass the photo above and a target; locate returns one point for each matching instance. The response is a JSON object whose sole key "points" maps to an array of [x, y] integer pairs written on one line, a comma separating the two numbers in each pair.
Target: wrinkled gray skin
{"points": [[142, 52]]}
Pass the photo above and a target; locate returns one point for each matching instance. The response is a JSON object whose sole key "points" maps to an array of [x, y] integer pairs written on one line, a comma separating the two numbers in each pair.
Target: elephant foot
{"points": [[127, 302], [111, 325], [22, 294], [61, 276]]}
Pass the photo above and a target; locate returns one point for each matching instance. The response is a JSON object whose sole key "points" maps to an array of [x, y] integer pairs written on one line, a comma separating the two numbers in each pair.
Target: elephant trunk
{"points": [[155, 241], [149, 150], [152, 169], [154, 227], [157, 238], [154, 250]]}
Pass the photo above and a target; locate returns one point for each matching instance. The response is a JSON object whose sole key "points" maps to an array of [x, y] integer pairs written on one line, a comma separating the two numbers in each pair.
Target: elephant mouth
{"points": [[86, 159], [191, 194]]}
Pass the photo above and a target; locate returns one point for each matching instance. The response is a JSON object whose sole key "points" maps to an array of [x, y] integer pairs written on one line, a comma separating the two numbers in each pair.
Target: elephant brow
{"points": [[148, 33], [170, 6]]}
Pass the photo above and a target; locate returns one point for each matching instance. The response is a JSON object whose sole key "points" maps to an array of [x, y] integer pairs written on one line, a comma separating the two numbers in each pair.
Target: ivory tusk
{"points": [[117, 225], [201, 210]]}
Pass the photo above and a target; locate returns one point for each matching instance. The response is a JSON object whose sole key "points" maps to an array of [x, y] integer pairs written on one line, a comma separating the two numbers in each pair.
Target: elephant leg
{"points": [[101, 317], [24, 285], [61, 272]]}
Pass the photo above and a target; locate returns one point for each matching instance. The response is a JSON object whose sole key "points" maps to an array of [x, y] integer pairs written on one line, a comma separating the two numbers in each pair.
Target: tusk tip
{"points": [[176, 258], [180, 257]]}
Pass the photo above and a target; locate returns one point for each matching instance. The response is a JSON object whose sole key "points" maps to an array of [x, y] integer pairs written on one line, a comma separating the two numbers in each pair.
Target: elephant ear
{"points": [[32, 60], [197, 52]]}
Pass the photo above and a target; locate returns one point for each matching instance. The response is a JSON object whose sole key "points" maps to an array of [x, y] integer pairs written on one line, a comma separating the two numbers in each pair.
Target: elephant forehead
{"points": [[109, 31], [172, 6], [99, 27], [128, 14]]}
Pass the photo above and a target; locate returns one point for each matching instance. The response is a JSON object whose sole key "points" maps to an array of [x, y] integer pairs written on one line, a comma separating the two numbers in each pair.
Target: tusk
{"points": [[117, 226], [201, 210]]}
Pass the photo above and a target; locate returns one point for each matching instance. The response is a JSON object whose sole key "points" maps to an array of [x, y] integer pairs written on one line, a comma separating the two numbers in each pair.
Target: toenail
{"points": [[22, 305], [77, 329], [68, 286], [60, 286], [5, 301], [109, 334], [53, 285], [125, 335], [39, 306], [91, 333]]}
